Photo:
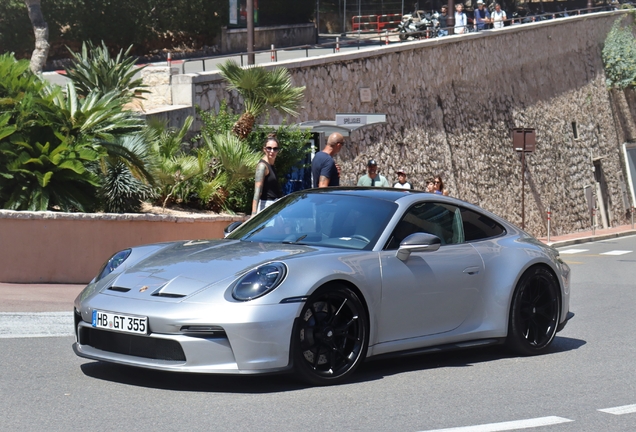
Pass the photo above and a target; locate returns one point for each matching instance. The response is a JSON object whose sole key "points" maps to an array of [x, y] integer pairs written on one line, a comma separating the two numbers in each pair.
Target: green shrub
{"points": [[619, 56], [94, 69]]}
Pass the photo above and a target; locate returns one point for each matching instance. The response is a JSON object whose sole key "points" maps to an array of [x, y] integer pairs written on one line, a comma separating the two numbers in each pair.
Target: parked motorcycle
{"points": [[418, 25]]}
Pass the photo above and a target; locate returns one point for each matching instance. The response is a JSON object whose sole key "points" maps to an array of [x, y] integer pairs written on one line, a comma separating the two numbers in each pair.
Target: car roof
{"points": [[387, 194], [402, 197]]}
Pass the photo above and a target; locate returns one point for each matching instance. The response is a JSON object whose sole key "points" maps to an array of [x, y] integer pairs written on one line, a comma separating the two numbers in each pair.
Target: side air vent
{"points": [[119, 289]]}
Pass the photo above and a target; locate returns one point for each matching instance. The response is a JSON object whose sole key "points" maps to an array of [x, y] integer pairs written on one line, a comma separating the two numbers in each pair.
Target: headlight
{"points": [[258, 282], [114, 262]]}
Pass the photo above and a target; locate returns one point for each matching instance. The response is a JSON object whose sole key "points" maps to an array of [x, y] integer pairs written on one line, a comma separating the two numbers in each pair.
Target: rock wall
{"points": [[451, 103]]}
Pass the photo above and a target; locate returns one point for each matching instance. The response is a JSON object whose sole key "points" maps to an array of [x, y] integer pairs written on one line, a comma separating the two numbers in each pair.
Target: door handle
{"points": [[471, 270]]}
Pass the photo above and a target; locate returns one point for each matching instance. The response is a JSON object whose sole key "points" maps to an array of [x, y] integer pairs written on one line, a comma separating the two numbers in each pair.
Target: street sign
{"points": [[524, 139], [350, 119]]}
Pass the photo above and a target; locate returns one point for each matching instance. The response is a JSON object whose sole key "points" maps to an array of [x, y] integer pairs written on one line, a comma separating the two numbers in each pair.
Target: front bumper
{"points": [[253, 339]]}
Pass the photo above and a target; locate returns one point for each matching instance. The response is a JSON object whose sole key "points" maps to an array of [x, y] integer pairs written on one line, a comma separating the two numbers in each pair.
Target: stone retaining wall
{"points": [[50, 247], [450, 104]]}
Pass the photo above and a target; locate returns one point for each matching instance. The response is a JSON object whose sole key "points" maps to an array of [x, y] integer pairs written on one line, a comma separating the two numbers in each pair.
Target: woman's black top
{"points": [[271, 187]]}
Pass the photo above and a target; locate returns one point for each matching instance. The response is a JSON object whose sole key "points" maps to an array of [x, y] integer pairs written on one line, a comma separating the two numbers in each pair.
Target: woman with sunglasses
{"points": [[438, 186], [266, 186]]}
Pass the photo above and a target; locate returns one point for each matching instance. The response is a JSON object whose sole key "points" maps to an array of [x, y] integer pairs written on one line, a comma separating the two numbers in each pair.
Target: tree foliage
{"points": [[619, 56], [261, 89]]}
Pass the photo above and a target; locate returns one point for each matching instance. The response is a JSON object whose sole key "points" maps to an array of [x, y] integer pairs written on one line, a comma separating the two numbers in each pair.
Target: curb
{"points": [[563, 243]]}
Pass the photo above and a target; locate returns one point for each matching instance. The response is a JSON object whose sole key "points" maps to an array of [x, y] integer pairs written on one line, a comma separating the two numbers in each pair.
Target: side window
{"points": [[478, 226], [441, 220]]}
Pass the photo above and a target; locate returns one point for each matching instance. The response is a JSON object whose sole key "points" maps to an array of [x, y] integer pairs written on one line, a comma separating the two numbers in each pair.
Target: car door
{"points": [[431, 292]]}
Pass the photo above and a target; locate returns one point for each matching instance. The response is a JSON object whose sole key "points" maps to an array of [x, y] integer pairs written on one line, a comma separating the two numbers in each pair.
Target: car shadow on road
{"points": [[369, 371]]}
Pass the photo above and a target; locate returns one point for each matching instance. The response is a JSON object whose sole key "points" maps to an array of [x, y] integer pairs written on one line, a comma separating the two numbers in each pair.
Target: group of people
{"points": [[482, 18], [373, 178], [325, 173]]}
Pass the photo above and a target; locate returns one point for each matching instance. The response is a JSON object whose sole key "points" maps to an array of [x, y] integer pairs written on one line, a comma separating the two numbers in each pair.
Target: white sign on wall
{"points": [[350, 119]]}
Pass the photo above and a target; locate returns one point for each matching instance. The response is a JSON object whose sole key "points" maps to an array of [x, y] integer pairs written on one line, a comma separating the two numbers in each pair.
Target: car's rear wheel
{"points": [[331, 336], [534, 314]]}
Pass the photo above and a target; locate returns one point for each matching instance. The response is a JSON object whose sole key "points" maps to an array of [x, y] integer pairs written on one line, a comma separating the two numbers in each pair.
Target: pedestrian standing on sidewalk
{"points": [[460, 19], [266, 185], [372, 178], [443, 22], [482, 16], [498, 16], [402, 183], [324, 170]]}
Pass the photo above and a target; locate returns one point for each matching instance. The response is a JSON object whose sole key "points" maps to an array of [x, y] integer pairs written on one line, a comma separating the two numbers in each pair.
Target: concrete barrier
{"points": [[52, 247]]}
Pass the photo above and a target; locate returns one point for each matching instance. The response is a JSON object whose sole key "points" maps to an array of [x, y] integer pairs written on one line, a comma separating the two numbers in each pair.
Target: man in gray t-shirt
{"points": [[372, 178]]}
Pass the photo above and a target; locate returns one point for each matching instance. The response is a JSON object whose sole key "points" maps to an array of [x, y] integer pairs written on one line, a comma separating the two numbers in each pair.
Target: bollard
{"points": [[169, 59], [386, 33], [549, 218], [337, 44], [632, 217], [594, 221], [553, 16], [273, 54]]}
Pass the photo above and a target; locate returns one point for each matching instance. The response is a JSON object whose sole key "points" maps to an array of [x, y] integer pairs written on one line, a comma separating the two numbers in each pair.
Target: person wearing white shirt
{"points": [[402, 183], [498, 16], [460, 19]]}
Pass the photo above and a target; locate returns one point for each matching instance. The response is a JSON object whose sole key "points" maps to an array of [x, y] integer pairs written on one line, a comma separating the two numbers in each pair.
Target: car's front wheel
{"points": [[331, 336], [534, 314]]}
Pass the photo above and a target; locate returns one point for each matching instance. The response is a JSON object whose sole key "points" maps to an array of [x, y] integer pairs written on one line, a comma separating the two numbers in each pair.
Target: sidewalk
{"points": [[59, 297]]}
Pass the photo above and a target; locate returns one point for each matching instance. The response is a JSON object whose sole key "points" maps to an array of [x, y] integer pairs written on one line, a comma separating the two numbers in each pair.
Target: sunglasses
{"points": [[272, 149]]}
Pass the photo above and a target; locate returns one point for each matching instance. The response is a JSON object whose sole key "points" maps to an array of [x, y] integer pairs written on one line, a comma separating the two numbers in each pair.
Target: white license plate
{"points": [[120, 322]]}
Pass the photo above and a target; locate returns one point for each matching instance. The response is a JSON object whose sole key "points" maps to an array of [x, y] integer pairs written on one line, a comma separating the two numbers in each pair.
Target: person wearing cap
{"points": [[372, 178], [402, 183], [482, 16]]}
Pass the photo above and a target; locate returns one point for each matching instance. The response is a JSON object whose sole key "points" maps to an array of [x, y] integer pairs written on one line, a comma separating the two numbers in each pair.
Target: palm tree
{"points": [[261, 89]]}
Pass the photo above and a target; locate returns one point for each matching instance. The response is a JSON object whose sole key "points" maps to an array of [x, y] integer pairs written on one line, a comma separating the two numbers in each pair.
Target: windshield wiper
{"points": [[296, 241]]}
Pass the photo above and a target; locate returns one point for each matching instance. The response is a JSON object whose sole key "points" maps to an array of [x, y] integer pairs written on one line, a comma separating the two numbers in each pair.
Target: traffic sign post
{"points": [[549, 218], [524, 141]]}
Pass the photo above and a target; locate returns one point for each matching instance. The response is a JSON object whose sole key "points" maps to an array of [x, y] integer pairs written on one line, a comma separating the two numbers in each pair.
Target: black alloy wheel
{"points": [[534, 315], [330, 337]]}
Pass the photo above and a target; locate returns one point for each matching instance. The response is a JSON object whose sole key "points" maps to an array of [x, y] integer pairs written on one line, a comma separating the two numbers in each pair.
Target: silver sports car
{"points": [[322, 280]]}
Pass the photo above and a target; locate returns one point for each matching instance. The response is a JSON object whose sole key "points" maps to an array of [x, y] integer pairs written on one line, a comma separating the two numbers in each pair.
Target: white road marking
{"points": [[572, 251], [625, 409], [616, 252], [506, 426], [35, 324]]}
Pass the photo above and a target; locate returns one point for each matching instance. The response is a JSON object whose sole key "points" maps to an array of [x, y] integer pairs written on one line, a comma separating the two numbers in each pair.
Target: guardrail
{"points": [[382, 37], [375, 23]]}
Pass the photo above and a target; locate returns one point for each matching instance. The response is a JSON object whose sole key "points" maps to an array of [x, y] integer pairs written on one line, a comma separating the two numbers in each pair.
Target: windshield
{"points": [[321, 219]]}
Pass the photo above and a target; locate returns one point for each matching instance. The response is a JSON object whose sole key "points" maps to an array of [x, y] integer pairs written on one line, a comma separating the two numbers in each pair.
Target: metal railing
{"points": [[380, 38]]}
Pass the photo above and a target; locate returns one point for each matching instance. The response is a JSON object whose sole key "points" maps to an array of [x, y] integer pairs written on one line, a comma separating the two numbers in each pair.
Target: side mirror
{"points": [[418, 242], [231, 227]]}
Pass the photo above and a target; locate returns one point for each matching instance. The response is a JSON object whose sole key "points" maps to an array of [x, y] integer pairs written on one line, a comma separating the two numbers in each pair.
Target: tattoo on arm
{"points": [[261, 172], [323, 181]]}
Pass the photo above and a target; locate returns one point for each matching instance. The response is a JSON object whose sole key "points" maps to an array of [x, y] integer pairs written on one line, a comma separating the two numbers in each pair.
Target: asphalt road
{"points": [[589, 368]]}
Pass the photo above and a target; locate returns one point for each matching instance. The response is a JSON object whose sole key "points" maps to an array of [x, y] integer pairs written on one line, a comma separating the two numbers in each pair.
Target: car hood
{"points": [[181, 269]]}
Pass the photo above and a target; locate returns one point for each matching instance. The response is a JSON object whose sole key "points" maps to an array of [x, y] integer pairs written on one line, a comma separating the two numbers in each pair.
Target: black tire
{"points": [[534, 313], [330, 337], [402, 36]]}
